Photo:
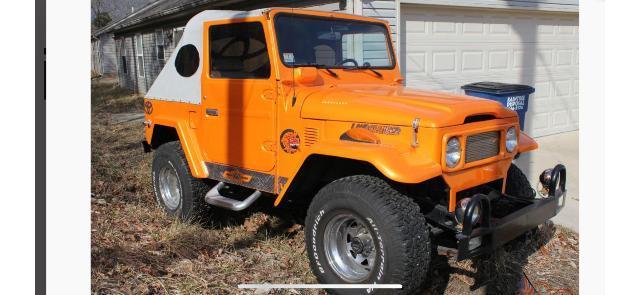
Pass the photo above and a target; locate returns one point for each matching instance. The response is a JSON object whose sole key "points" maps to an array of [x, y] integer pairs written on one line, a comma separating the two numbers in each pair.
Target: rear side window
{"points": [[238, 51], [187, 60]]}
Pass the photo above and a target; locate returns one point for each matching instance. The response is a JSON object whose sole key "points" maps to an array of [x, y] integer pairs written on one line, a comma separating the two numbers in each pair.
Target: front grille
{"points": [[481, 146]]}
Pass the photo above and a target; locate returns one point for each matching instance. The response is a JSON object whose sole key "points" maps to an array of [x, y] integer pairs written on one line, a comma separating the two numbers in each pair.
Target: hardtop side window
{"points": [[238, 51]]}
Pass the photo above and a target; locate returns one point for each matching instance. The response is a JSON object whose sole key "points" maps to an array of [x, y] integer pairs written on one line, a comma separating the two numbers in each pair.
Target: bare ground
{"points": [[136, 249]]}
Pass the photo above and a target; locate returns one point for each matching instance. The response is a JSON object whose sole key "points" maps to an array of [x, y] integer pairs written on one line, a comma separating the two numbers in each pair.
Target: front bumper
{"points": [[491, 232]]}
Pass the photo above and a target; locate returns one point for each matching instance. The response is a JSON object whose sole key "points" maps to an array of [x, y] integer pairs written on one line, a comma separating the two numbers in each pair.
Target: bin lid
{"points": [[498, 88]]}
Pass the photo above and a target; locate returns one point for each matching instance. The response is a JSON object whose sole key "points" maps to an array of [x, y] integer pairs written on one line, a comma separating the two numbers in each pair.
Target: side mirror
{"points": [[305, 75]]}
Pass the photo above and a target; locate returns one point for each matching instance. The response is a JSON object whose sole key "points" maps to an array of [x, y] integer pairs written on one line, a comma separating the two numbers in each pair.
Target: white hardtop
{"points": [[171, 86]]}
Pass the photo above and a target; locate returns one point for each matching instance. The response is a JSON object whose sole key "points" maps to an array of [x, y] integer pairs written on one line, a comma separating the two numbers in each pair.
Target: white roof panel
{"points": [[171, 86]]}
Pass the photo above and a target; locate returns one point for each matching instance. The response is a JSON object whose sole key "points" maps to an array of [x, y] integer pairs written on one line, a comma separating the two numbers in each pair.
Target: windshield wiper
{"points": [[365, 66], [318, 66]]}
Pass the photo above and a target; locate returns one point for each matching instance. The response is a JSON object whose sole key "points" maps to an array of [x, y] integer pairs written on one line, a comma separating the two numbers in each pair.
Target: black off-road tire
{"points": [[398, 229], [518, 185], [192, 207]]}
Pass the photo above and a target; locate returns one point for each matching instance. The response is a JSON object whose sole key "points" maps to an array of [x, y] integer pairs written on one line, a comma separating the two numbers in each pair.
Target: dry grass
{"points": [[107, 97], [136, 249]]}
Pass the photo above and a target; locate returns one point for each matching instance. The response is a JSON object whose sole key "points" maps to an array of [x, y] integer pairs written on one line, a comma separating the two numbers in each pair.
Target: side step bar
{"points": [[214, 198]]}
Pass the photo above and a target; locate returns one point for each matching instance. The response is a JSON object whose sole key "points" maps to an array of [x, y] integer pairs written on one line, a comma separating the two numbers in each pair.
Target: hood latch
{"points": [[415, 125]]}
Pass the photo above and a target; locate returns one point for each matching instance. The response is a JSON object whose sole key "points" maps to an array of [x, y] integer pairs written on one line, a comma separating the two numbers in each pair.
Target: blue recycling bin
{"points": [[512, 96]]}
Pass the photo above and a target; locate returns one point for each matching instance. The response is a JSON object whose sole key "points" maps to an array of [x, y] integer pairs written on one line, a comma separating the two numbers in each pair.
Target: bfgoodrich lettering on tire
{"points": [[360, 230], [176, 190]]}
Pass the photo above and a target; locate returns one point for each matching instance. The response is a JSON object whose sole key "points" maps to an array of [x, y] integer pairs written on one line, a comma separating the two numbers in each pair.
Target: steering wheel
{"points": [[351, 60]]}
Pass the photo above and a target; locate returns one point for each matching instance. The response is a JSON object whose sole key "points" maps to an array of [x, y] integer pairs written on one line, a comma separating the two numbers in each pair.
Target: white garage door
{"points": [[445, 48]]}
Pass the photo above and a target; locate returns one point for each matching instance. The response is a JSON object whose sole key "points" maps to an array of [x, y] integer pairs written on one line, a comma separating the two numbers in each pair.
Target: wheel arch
{"points": [[317, 170], [337, 161], [167, 131]]}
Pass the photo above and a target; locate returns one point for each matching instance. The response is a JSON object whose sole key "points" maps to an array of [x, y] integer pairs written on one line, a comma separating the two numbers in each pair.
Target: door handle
{"points": [[212, 112]]}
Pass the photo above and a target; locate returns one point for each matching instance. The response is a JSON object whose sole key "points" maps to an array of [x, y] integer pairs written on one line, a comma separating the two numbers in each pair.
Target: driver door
{"points": [[238, 88]]}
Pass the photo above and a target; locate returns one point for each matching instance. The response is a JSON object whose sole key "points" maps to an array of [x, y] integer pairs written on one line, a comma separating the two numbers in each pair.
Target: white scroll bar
{"points": [[320, 286]]}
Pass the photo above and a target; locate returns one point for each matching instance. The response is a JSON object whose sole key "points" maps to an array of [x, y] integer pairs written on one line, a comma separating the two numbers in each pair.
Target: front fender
{"points": [[398, 164], [526, 143], [404, 165]]}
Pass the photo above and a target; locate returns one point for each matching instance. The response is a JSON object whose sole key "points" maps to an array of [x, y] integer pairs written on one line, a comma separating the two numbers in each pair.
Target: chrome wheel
{"points": [[349, 247], [169, 186]]}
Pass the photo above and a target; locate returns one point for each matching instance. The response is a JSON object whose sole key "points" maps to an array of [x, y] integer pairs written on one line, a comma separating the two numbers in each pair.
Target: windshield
{"points": [[332, 43]]}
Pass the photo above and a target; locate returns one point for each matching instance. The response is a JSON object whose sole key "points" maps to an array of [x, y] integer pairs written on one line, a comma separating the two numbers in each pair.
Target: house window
{"points": [[238, 51], [139, 56], [159, 44], [123, 61], [177, 35], [123, 56]]}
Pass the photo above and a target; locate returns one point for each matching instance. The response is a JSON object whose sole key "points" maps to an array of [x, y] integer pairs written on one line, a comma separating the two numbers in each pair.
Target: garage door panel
{"points": [[445, 48], [529, 60], [503, 27], [498, 59], [564, 57], [544, 86], [562, 88], [473, 28], [442, 26], [550, 105], [444, 62], [415, 62], [472, 60]]}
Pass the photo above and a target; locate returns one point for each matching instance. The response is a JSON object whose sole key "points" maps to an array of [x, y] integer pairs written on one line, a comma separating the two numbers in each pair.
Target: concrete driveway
{"points": [[560, 148]]}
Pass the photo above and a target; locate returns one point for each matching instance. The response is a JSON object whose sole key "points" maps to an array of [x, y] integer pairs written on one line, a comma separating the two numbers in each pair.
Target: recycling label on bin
{"points": [[517, 102]]}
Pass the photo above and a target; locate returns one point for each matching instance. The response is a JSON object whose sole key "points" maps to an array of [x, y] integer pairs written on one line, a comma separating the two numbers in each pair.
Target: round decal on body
{"points": [[148, 107], [289, 141]]}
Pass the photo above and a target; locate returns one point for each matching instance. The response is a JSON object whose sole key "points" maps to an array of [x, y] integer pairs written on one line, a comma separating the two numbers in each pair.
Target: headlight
{"points": [[462, 207], [453, 152], [511, 140]]}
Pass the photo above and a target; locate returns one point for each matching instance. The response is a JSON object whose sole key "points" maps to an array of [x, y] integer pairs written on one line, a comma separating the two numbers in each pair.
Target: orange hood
{"points": [[396, 105]]}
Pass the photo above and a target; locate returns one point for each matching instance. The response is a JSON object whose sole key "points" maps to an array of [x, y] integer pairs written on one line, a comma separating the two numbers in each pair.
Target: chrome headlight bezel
{"points": [[453, 152], [511, 139]]}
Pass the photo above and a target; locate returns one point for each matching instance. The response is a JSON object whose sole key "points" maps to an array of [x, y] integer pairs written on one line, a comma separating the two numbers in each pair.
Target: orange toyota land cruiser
{"points": [[309, 108]]}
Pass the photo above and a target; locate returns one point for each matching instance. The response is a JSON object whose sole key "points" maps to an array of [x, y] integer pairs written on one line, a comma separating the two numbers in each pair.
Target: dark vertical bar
{"points": [[40, 148]]}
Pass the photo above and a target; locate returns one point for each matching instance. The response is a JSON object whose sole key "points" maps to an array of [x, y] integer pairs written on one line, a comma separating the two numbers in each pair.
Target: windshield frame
{"points": [[390, 48]]}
